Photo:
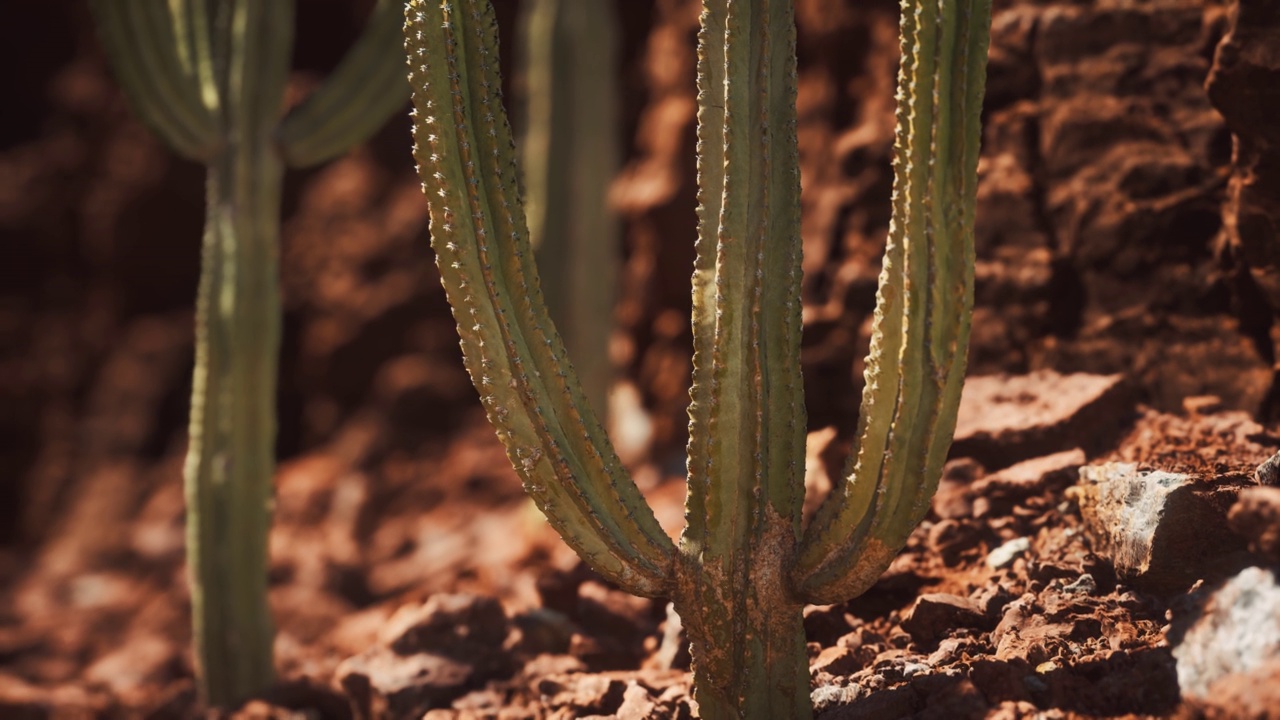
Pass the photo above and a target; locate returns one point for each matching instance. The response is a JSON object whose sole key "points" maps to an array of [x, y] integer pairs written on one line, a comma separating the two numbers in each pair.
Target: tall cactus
{"points": [[209, 76], [743, 568], [569, 154]]}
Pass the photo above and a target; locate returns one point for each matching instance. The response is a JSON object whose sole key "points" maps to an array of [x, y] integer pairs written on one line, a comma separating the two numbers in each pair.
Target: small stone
{"points": [[544, 665], [913, 669], [1003, 556], [935, 614], [587, 694], [1009, 418], [829, 697], [991, 600], [1160, 530], [949, 650], [145, 659], [1236, 634], [1268, 473], [954, 497], [673, 649], [838, 661], [827, 623], [1256, 518], [449, 624], [637, 703], [1202, 404], [381, 683], [952, 540], [1084, 585], [428, 656]]}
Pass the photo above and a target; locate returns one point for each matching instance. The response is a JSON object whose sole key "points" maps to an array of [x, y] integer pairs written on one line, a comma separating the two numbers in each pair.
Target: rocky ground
{"points": [[1104, 542]]}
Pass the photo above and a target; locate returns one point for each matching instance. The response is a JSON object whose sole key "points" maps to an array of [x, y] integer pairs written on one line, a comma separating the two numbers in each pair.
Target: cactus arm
{"points": [[140, 40], [921, 328], [747, 412], [569, 154], [516, 359], [230, 461], [356, 100]]}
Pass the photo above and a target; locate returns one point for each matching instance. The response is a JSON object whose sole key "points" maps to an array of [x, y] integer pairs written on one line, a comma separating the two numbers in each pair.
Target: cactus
{"points": [[743, 568], [209, 76], [569, 154]]}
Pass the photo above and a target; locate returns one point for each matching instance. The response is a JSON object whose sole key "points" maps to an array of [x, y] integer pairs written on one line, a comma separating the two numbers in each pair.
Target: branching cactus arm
{"points": [[356, 100], [516, 359], [921, 329], [141, 39], [742, 571]]}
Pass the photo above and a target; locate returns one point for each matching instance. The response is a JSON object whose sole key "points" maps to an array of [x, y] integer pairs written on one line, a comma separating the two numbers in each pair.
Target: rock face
{"points": [[1244, 85], [1160, 530], [1230, 655]]}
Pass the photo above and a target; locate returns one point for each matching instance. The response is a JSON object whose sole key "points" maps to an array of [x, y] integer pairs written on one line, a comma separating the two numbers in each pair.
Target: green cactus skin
{"points": [[747, 417], [231, 454], [209, 76], [920, 332], [569, 154], [743, 568]]}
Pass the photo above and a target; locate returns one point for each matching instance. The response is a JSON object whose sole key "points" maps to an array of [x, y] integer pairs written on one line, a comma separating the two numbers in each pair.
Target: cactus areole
{"points": [[744, 566]]}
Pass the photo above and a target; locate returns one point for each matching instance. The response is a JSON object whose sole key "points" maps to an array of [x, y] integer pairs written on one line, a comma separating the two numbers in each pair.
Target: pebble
{"points": [[935, 614], [1004, 555], [1237, 632]]}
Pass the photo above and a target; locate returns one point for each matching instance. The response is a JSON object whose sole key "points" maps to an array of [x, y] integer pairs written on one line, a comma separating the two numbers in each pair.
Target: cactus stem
{"points": [[747, 409]]}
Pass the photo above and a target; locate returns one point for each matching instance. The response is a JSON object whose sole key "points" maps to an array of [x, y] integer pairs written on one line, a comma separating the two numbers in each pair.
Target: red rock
{"points": [[935, 614], [838, 660], [1256, 517], [1008, 418], [382, 684], [586, 694], [1160, 530], [1032, 476]]}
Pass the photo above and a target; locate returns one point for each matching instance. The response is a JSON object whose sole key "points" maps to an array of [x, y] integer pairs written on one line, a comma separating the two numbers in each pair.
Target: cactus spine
{"points": [[569, 154], [209, 76], [743, 567]]}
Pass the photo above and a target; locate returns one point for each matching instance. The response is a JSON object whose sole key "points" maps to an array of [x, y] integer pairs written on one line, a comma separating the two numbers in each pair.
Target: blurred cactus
{"points": [[743, 569], [569, 155], [209, 76]]}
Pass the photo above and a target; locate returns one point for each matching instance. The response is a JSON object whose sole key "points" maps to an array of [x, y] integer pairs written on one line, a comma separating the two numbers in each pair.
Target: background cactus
{"points": [[743, 568], [569, 154], [209, 76]]}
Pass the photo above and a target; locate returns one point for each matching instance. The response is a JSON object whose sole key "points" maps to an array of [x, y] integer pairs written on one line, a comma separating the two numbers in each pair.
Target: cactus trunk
{"points": [[230, 462], [231, 459], [746, 634], [747, 420]]}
